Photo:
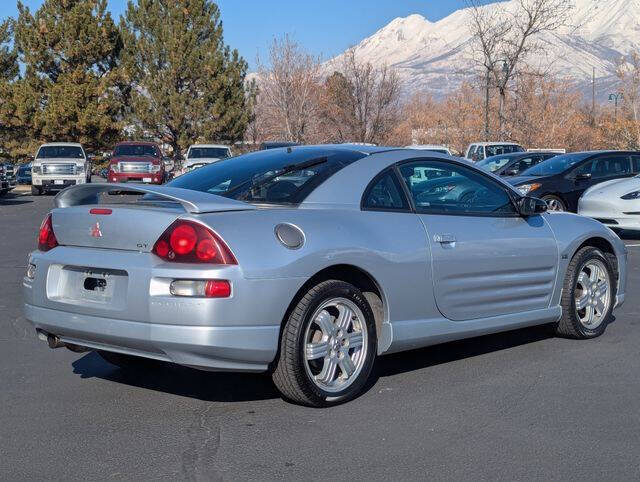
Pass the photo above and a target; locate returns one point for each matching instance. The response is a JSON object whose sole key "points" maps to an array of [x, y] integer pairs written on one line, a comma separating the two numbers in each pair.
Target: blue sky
{"points": [[325, 27]]}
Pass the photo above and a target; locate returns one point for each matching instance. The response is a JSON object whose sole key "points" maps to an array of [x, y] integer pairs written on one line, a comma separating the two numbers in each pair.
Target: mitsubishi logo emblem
{"points": [[95, 231]]}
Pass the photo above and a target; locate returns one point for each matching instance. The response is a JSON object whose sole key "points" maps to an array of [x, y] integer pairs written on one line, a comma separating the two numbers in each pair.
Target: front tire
{"points": [[328, 346], [588, 295], [35, 191]]}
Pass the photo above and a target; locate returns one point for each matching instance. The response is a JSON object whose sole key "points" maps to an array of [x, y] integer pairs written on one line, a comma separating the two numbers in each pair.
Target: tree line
{"points": [[69, 72]]}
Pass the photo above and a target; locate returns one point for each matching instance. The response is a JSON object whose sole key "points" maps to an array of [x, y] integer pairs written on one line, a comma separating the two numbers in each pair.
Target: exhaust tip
{"points": [[54, 342]]}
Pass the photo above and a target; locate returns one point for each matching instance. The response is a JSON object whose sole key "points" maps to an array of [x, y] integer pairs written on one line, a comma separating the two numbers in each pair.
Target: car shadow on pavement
{"points": [[183, 381], [13, 201], [235, 387], [397, 363]]}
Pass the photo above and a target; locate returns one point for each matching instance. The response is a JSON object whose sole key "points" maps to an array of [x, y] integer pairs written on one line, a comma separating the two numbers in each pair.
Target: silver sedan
{"points": [[614, 203], [311, 261]]}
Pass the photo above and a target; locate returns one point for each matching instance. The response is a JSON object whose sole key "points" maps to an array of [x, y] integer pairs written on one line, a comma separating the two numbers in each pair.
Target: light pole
{"points": [[615, 98], [505, 68]]}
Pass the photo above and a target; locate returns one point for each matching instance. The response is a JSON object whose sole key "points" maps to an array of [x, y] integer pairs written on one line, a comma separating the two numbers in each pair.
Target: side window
{"points": [[453, 189], [635, 161], [471, 151], [386, 193], [610, 167], [480, 153], [526, 163]]}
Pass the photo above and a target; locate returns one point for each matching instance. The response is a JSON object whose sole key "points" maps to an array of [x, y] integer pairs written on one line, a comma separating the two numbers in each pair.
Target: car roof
{"points": [[136, 143], [494, 144], [220, 146], [427, 146], [72, 144]]}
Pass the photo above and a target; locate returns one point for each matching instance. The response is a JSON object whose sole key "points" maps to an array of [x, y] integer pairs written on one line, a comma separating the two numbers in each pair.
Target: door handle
{"points": [[444, 238]]}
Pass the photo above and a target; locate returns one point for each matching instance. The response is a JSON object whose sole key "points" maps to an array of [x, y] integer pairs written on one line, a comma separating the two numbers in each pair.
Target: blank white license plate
{"points": [[58, 181], [147, 179]]}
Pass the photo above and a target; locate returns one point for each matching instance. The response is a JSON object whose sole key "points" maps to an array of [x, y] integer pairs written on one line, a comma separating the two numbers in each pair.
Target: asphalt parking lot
{"points": [[520, 405]]}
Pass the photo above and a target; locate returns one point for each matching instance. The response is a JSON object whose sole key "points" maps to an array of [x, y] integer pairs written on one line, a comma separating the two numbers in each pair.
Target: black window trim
{"points": [[399, 184], [513, 197]]}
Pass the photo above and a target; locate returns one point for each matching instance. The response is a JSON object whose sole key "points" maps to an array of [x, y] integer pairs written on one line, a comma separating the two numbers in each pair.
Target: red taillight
{"points": [[46, 238], [190, 242]]}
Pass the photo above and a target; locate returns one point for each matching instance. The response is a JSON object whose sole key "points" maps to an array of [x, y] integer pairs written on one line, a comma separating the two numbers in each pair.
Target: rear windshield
{"points": [[135, 150], [59, 152], [255, 177], [555, 165], [503, 149], [208, 152]]}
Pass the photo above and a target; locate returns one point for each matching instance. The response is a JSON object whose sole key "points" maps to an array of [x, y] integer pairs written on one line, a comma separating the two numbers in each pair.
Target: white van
{"points": [[481, 150]]}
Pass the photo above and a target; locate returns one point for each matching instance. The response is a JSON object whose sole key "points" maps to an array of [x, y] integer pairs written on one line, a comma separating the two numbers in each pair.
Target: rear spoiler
{"points": [[195, 202]]}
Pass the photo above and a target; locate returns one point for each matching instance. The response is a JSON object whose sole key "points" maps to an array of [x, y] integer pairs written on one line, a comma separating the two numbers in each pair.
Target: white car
{"points": [[58, 165], [432, 148], [481, 150], [199, 155], [614, 203]]}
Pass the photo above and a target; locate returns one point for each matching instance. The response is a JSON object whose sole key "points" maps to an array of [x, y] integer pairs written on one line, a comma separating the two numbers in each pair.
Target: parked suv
{"points": [[7, 178], [482, 150], [58, 165], [136, 162], [199, 155]]}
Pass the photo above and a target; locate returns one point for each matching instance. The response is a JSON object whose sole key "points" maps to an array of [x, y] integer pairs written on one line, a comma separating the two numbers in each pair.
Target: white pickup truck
{"points": [[58, 165]]}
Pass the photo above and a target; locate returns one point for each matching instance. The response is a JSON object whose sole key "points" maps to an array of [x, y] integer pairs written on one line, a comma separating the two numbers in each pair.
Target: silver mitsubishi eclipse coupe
{"points": [[309, 262]]}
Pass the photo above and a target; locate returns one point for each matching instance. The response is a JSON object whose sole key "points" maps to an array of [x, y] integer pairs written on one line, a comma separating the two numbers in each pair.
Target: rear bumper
{"points": [[238, 333], [219, 348]]}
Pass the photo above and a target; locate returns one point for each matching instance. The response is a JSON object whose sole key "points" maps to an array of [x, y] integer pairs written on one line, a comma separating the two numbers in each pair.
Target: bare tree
{"points": [[361, 101], [288, 89], [505, 34]]}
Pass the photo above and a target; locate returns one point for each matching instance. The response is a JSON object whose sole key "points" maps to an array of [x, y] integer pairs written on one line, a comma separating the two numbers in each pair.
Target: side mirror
{"points": [[583, 177], [513, 171], [530, 206]]}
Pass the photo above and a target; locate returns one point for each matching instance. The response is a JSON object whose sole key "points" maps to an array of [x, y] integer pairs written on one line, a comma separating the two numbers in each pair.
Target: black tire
{"points": [[127, 362], [552, 200], [289, 373], [569, 325], [36, 191]]}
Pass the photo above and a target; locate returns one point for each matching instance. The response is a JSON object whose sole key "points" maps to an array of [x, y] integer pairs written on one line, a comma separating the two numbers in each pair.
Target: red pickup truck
{"points": [[136, 162]]}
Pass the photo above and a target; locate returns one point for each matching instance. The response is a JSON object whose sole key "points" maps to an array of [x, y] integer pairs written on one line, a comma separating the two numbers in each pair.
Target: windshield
{"points": [[254, 177], [502, 149], [60, 152], [555, 165], [492, 164], [208, 152], [135, 150]]}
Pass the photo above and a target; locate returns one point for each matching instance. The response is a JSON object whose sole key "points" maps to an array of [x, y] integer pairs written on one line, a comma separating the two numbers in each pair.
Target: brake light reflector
{"points": [[46, 237], [191, 242]]}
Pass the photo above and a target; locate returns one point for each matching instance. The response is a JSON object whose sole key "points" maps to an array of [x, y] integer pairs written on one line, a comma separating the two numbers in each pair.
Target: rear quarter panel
{"points": [[391, 247]]}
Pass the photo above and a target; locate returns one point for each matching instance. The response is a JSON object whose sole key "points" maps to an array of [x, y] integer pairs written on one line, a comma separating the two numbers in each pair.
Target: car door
{"points": [[595, 171], [487, 260]]}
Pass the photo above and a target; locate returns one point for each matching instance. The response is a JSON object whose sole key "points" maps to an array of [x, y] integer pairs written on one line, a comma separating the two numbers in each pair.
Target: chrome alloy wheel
{"points": [[554, 204], [335, 344], [592, 294]]}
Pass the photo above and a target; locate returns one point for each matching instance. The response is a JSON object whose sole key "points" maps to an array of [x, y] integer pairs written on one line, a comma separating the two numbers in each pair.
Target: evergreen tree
{"points": [[189, 86], [8, 54], [69, 92]]}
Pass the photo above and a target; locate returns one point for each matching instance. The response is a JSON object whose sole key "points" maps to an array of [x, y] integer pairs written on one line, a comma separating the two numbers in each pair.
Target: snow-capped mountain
{"points": [[437, 56]]}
